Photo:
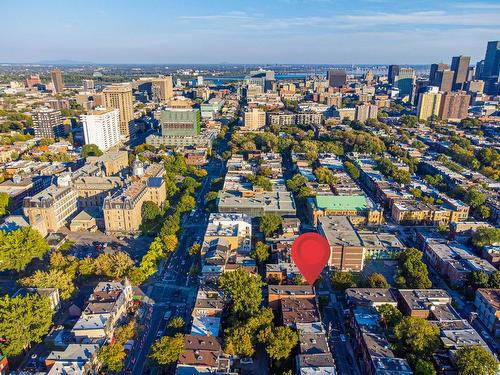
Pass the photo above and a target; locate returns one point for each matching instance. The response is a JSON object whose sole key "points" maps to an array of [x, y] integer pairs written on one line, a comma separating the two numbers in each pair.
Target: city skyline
{"points": [[282, 31]]}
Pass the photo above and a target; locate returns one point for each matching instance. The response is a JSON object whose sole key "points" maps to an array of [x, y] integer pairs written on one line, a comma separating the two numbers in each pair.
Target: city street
{"points": [[171, 288]]}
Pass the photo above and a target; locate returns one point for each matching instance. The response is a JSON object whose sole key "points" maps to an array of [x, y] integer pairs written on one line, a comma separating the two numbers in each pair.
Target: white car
{"points": [[343, 338], [246, 361], [159, 334]]}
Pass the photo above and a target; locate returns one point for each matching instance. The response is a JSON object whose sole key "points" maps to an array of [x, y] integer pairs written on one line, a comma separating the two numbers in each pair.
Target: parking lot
{"points": [[85, 244]]}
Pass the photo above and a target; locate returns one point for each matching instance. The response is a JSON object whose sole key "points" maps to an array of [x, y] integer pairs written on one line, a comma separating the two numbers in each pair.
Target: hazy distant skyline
{"points": [[237, 31]]}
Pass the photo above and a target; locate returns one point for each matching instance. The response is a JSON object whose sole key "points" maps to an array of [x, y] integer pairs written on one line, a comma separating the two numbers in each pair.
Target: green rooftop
{"points": [[341, 202]]}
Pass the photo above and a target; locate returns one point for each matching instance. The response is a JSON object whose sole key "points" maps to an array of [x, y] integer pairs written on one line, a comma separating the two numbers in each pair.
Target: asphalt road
{"points": [[172, 289]]}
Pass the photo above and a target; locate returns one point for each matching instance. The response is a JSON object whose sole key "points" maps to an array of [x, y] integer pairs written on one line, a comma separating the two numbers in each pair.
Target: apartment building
{"points": [[235, 229], [48, 123], [102, 128], [255, 119], [111, 162], [420, 302], [487, 304], [347, 252], [123, 210], [54, 206], [93, 189], [119, 96]]}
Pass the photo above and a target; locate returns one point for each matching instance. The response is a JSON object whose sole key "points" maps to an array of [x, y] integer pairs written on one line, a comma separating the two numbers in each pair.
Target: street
{"points": [[172, 289]]}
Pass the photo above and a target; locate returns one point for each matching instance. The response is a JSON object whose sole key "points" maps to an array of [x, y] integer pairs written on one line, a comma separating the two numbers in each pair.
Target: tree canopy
{"points": [[485, 236], [377, 280], [342, 280], [244, 290], [417, 336], [413, 272], [261, 252], [475, 360], [23, 321], [167, 349], [90, 150], [19, 247], [270, 223]]}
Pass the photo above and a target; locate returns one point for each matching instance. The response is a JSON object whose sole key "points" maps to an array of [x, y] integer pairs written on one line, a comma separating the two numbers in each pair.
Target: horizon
{"points": [[298, 32]]}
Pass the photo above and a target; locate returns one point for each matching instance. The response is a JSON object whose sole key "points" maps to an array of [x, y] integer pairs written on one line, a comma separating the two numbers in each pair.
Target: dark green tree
{"points": [[270, 223], [90, 150], [244, 291], [475, 360], [167, 350]]}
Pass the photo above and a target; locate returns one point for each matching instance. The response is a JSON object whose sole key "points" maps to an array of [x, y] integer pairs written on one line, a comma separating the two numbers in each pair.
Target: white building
{"points": [[102, 128]]}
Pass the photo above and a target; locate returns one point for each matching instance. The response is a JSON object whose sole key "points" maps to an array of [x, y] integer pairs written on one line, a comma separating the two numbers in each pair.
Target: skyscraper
{"points": [[393, 72], [434, 69], [454, 105], [460, 67], [444, 80], [120, 97], [48, 123], [336, 77], [491, 68], [102, 128], [405, 81], [492, 59], [166, 88], [57, 80], [429, 104]]}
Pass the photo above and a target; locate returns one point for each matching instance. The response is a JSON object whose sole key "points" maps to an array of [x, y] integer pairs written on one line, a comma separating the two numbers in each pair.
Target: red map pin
{"points": [[310, 252]]}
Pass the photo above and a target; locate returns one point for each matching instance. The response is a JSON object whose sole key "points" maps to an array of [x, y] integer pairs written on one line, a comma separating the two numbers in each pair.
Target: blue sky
{"points": [[252, 31]]}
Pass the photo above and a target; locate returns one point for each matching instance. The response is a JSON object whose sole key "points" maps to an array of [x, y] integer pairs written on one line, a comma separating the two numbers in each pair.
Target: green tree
{"points": [[423, 367], [52, 279], [195, 249], [342, 281], [23, 320], [494, 280], [485, 236], [474, 198], [413, 272], [167, 349], [150, 211], [479, 279], [351, 169], [90, 150], [115, 265], [475, 360], [19, 247], [244, 290], [261, 181], [377, 280], [261, 252], [186, 203], [296, 183], [325, 176], [4, 203], [280, 343], [112, 357], [176, 325], [270, 223], [242, 338], [417, 336], [389, 315]]}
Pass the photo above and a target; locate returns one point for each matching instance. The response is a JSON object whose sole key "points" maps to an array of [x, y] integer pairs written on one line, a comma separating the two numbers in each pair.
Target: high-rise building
{"points": [[180, 122], [490, 72], [365, 112], [434, 69], [429, 104], [475, 87], [57, 80], [405, 81], [102, 128], [393, 72], [48, 123], [444, 80], [460, 68], [120, 97], [454, 105], [492, 59], [88, 85], [336, 77], [255, 119], [165, 86]]}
